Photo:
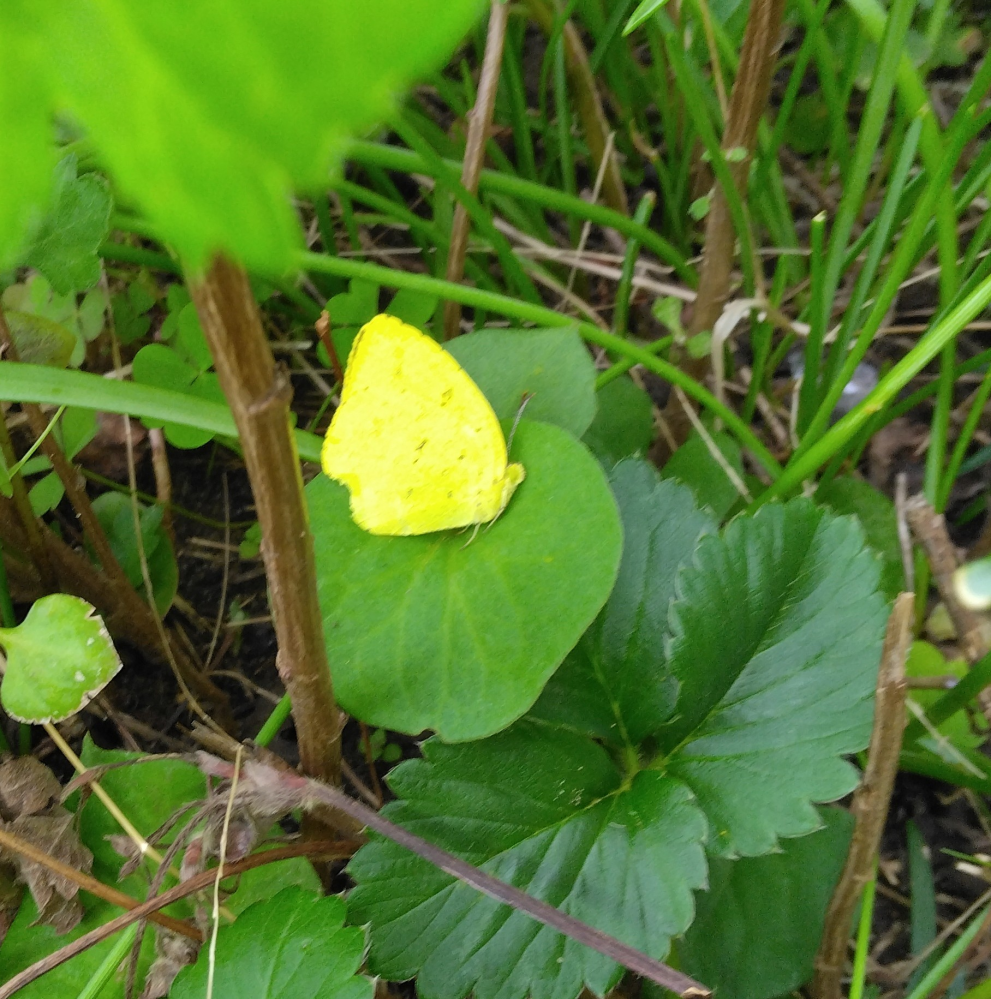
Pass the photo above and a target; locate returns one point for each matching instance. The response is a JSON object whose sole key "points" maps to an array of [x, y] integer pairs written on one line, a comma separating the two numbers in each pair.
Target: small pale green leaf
{"points": [[413, 307], [963, 730], [645, 10], [161, 366], [549, 812], [116, 516], [355, 306], [292, 945], [623, 425], [40, 340], [46, 494], [130, 311], [58, 659], [77, 428], [190, 343], [694, 465], [552, 367], [758, 926], [64, 247], [456, 633]]}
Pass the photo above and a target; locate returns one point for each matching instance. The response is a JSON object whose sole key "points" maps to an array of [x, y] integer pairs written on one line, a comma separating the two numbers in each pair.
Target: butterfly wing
{"points": [[414, 439]]}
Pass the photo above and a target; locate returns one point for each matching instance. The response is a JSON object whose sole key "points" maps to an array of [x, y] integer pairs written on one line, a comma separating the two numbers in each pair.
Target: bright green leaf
{"points": [[551, 367], [645, 10], [209, 117], [64, 246], [459, 633], [292, 945], [58, 659], [25, 123]]}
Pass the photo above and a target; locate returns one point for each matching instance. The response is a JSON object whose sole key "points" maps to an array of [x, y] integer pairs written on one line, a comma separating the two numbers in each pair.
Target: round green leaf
{"points": [[552, 368], [457, 632], [58, 659]]}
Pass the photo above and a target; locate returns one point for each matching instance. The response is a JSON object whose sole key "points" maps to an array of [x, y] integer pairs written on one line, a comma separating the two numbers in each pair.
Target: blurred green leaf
{"points": [[623, 425], [64, 245]]}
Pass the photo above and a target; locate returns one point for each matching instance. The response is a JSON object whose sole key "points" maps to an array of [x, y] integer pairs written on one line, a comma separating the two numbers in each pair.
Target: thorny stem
{"points": [[479, 122], [258, 393]]}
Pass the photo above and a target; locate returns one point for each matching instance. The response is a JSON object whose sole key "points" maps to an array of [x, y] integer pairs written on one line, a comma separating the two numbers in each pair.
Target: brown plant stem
{"points": [[204, 879], [258, 393], [870, 800], [68, 476], [90, 884], [590, 110], [747, 102], [929, 528], [34, 543], [479, 122]]}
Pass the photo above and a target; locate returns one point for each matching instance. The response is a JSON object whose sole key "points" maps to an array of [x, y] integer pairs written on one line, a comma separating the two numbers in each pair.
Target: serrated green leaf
{"points": [[759, 924], [64, 246], [614, 685], [771, 633], [549, 812], [776, 640], [623, 425], [551, 367], [292, 945], [209, 150], [694, 465], [456, 633], [58, 659]]}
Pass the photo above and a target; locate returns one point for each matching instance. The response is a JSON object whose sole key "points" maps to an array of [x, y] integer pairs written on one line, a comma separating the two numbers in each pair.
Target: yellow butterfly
{"points": [[414, 439]]}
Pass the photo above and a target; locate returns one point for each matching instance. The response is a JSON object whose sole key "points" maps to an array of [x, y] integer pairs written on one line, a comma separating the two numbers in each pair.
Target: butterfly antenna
{"points": [[527, 396]]}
